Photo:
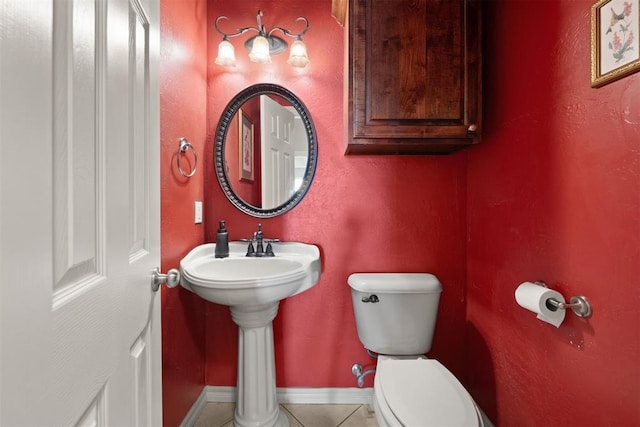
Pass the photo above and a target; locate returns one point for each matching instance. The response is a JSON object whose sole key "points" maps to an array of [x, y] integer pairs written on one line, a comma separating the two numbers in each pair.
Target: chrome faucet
{"points": [[259, 250]]}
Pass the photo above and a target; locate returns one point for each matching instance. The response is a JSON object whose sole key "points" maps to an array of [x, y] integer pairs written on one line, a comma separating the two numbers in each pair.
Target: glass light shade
{"points": [[226, 54], [298, 54], [260, 50]]}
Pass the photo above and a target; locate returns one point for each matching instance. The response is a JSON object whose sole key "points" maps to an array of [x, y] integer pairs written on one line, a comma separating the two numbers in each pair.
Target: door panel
{"points": [[77, 150], [79, 213], [277, 153]]}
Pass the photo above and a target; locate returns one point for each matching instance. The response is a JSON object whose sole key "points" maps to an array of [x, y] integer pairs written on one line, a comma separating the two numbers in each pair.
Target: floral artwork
{"points": [[245, 148], [623, 37], [614, 40]]}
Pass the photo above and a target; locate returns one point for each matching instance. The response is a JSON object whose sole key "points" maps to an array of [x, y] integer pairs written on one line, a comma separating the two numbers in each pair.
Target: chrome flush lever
{"points": [[371, 298]]}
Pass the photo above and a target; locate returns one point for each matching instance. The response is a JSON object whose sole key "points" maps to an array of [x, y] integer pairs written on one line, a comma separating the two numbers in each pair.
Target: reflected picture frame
{"points": [[245, 147], [615, 40]]}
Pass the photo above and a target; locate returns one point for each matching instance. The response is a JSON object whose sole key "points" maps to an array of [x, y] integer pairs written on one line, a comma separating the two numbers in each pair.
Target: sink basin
{"points": [[253, 288], [240, 280]]}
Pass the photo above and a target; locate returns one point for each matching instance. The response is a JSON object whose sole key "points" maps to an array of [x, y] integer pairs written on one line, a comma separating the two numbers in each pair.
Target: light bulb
{"points": [[260, 50], [298, 54], [226, 54]]}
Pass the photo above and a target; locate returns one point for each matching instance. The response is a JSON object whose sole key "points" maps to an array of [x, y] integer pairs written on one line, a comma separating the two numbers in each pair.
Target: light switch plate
{"points": [[197, 208]]}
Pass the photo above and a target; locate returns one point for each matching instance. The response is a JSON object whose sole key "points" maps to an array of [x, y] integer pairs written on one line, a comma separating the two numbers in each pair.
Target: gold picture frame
{"points": [[245, 147], [615, 44]]}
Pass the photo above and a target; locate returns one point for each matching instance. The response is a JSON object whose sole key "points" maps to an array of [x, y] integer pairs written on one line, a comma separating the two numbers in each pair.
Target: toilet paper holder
{"points": [[579, 304]]}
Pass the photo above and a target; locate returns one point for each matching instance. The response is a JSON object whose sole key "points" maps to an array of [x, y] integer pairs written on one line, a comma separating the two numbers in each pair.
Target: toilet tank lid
{"points": [[396, 283]]}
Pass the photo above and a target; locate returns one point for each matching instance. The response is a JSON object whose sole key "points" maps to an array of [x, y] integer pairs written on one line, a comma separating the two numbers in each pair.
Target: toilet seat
{"points": [[422, 392]]}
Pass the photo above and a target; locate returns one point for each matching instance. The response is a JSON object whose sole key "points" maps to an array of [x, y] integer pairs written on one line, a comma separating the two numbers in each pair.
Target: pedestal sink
{"points": [[253, 288]]}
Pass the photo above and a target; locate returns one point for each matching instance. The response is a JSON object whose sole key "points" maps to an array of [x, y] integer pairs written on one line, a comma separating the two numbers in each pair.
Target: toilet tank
{"points": [[395, 312]]}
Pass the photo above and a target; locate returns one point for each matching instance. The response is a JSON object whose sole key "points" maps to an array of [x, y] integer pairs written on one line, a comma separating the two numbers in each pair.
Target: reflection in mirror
{"points": [[265, 151]]}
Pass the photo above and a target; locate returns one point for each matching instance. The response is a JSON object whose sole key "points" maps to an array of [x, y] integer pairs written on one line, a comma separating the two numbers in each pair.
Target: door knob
{"points": [[171, 279]]}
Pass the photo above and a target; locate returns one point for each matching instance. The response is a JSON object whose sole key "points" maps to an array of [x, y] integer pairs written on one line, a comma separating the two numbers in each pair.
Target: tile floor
{"points": [[221, 415]]}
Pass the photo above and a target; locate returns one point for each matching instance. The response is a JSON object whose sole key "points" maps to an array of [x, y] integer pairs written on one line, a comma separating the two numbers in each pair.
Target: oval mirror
{"points": [[265, 150]]}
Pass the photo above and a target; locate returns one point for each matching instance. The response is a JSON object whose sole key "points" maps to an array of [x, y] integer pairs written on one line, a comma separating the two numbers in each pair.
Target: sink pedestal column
{"points": [[256, 405]]}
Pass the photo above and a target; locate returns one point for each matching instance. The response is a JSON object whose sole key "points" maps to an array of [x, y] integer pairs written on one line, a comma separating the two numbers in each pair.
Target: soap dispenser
{"points": [[222, 241]]}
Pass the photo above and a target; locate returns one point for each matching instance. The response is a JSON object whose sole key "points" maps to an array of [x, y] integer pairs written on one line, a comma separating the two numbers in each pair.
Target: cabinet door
{"points": [[413, 76]]}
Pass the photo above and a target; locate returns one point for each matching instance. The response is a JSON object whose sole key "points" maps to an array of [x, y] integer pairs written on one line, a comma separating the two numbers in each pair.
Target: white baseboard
{"points": [[325, 396], [197, 407], [294, 395], [300, 395]]}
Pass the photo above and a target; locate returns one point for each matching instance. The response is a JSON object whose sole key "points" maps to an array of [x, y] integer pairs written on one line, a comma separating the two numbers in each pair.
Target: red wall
{"points": [[553, 195], [183, 88], [369, 213]]}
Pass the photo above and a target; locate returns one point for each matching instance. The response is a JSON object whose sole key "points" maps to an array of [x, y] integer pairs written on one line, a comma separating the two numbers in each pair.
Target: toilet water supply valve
{"points": [[357, 370]]}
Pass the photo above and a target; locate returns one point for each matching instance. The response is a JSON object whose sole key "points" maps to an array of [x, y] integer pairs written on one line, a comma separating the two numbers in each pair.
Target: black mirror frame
{"points": [[221, 135]]}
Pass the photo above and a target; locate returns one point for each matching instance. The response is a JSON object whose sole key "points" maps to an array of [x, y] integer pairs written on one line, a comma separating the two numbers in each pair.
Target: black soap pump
{"points": [[222, 241]]}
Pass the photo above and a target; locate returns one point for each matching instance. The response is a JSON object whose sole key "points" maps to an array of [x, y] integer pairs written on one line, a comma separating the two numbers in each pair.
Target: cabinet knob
{"points": [[473, 128]]}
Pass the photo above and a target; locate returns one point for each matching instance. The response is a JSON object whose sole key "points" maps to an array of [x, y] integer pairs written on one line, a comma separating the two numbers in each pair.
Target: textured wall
{"points": [[183, 106], [554, 195], [384, 213]]}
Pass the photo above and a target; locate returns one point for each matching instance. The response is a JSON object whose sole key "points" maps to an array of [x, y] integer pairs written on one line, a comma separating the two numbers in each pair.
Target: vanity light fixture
{"points": [[263, 45]]}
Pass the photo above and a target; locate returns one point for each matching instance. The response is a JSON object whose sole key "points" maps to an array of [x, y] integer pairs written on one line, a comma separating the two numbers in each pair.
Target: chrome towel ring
{"points": [[184, 146]]}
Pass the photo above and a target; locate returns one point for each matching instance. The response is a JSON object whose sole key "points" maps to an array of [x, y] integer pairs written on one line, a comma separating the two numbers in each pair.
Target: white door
{"points": [[278, 156], [79, 213]]}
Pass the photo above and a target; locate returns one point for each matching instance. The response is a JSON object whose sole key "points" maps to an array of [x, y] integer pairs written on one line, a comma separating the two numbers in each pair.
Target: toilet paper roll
{"points": [[533, 297]]}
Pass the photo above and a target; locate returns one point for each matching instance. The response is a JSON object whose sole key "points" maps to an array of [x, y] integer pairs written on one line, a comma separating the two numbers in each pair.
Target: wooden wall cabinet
{"points": [[413, 75]]}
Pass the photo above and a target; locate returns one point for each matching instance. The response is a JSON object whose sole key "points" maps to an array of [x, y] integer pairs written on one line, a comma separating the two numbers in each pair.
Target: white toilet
{"points": [[395, 317]]}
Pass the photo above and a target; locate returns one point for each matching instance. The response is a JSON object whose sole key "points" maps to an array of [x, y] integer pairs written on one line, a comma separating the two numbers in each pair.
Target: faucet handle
{"points": [[251, 252], [269, 250]]}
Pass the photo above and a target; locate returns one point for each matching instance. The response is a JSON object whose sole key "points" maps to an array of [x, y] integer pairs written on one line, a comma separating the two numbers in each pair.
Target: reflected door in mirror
{"points": [[278, 156]]}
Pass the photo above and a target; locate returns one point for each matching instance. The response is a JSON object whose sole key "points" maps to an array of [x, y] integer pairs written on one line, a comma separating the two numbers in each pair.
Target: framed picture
{"points": [[615, 48], [245, 147]]}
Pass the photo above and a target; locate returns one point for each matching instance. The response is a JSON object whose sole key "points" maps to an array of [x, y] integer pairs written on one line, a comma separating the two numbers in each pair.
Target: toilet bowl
{"points": [[395, 318], [420, 393]]}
